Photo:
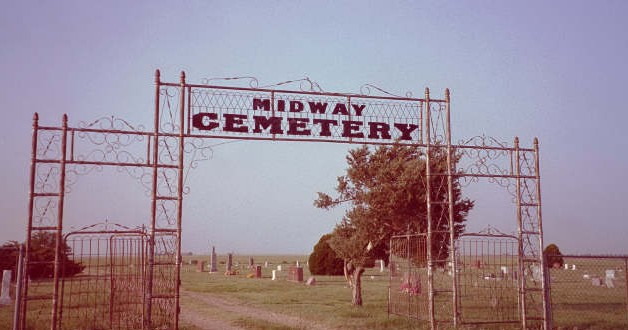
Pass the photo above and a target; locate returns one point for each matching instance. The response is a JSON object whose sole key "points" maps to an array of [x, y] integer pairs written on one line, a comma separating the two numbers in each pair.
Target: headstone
{"points": [[298, 263], [274, 272], [5, 298], [566, 266], [536, 273], [213, 261], [381, 266], [200, 266], [229, 262], [573, 267], [504, 270], [610, 276], [610, 273], [310, 281], [295, 274], [258, 271], [266, 264], [279, 268]]}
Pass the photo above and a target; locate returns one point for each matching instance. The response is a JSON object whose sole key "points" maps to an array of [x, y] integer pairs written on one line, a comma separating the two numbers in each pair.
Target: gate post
{"points": [[450, 202], [180, 196], [428, 176], [59, 228], [18, 288], [148, 298]]}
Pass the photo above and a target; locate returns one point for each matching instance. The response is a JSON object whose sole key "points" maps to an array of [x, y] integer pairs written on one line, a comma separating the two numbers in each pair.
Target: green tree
{"points": [[324, 260], [42, 257], [385, 189], [553, 257]]}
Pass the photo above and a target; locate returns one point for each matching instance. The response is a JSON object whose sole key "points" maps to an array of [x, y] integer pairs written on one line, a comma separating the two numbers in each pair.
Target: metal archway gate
{"points": [[187, 115], [109, 292]]}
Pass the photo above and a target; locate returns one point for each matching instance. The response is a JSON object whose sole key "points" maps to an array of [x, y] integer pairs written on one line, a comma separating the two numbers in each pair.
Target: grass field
{"points": [[576, 303]]}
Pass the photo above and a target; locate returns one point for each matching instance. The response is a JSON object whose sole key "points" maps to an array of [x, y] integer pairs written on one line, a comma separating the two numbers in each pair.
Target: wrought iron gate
{"points": [[186, 115], [109, 292], [487, 274]]}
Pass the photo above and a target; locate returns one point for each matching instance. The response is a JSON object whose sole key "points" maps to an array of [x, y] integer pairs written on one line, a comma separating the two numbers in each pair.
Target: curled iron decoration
{"points": [[45, 211], [365, 90], [488, 157], [48, 144], [144, 175], [252, 81], [106, 226], [305, 84], [197, 150], [47, 180], [111, 123], [112, 138], [169, 109], [438, 124]]}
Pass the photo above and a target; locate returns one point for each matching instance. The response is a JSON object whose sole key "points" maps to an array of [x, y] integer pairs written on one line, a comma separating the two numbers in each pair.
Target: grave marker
{"points": [[213, 261], [229, 262], [5, 298]]}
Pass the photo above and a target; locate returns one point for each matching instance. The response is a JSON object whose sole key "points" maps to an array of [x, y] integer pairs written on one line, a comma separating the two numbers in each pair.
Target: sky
{"points": [[553, 70]]}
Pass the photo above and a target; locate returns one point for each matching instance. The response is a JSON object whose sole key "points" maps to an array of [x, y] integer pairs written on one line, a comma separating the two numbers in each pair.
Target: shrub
{"points": [[552, 256], [323, 260]]}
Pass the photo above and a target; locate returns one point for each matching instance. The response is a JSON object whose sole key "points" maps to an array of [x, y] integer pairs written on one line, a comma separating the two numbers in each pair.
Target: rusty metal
{"points": [[161, 160]]}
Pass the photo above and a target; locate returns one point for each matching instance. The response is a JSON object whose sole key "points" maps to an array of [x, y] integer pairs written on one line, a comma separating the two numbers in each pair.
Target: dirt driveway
{"points": [[206, 311]]}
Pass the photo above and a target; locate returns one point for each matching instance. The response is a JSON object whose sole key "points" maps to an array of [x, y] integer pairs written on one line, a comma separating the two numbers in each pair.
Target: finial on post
{"points": [[157, 76], [427, 92], [536, 141], [182, 77], [447, 95]]}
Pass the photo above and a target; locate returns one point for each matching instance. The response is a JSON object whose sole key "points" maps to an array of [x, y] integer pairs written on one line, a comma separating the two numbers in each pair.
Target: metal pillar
{"points": [[428, 193], [450, 202]]}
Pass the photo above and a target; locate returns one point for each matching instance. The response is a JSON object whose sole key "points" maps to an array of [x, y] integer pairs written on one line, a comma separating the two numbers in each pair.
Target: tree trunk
{"points": [[348, 270], [357, 286]]}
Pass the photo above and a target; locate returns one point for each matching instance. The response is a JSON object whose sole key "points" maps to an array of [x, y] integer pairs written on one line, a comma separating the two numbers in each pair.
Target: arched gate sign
{"points": [[186, 116]]}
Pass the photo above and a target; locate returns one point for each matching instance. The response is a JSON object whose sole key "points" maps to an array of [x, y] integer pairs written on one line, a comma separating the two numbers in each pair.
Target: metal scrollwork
{"points": [[169, 110], [305, 85], [365, 90], [252, 81]]}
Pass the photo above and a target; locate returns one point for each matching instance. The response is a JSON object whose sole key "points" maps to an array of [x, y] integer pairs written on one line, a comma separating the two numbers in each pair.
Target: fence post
{"points": [[18, 288]]}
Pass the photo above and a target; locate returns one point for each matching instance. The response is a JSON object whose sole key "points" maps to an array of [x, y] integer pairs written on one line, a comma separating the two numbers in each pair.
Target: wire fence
{"points": [[589, 291]]}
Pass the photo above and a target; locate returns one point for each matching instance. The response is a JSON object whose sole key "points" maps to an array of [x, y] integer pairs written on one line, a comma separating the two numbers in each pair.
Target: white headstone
{"points": [[310, 281], [274, 275], [536, 273], [610, 273], [298, 263], [504, 270], [279, 267], [266, 264], [381, 266], [573, 267], [610, 276], [566, 266], [5, 299]]}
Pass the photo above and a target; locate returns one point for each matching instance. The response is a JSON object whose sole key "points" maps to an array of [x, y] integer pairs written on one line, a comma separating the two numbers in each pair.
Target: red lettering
{"points": [[203, 121], [298, 126], [235, 123], [325, 125], [379, 131], [351, 129]]}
